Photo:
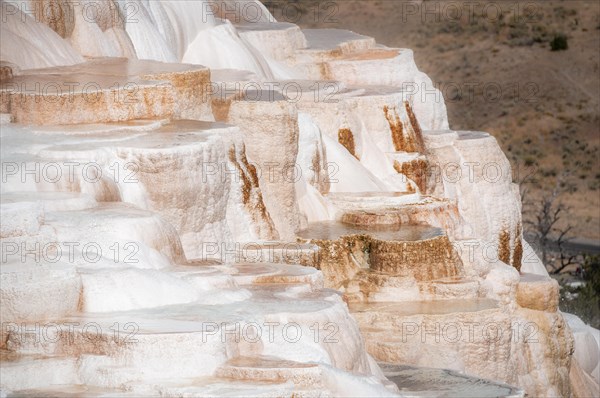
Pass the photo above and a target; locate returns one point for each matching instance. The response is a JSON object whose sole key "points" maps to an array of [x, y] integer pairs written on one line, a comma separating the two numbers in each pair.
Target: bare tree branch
{"points": [[549, 234]]}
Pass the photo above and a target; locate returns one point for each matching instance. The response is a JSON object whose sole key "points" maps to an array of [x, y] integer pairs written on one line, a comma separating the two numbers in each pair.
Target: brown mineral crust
{"points": [[251, 194], [416, 170], [325, 71], [365, 283], [424, 260], [346, 139], [341, 259], [90, 341], [5, 103], [320, 179], [191, 89], [220, 109], [59, 15], [417, 141], [396, 128], [372, 54], [108, 90], [145, 100], [6, 71], [405, 138], [504, 247], [518, 250], [374, 218]]}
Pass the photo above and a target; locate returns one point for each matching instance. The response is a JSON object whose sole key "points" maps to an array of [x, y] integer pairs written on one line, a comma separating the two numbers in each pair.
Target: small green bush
{"points": [[559, 42], [585, 303]]}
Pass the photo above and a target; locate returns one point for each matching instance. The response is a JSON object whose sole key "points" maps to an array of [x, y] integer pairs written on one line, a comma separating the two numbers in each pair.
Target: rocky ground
{"points": [[493, 62]]}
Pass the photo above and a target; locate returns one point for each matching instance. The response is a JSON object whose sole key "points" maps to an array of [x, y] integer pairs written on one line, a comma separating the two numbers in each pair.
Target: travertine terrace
{"points": [[203, 201]]}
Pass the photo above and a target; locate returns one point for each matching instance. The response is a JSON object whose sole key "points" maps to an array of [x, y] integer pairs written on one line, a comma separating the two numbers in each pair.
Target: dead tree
{"points": [[550, 238]]}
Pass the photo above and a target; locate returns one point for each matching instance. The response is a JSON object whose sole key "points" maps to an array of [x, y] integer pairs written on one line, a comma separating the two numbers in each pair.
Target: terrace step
{"points": [[395, 66], [36, 289], [47, 201], [430, 382], [414, 251], [59, 377], [48, 371], [370, 286], [387, 311], [370, 120], [229, 85], [439, 333], [538, 292], [154, 243], [276, 40], [107, 90], [272, 369], [140, 162], [279, 274], [380, 66], [325, 44], [365, 201], [384, 112], [383, 210], [148, 341], [71, 391]]}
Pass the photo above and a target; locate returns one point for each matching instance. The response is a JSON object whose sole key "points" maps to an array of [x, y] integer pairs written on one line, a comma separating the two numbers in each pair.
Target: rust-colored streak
{"points": [[346, 138], [6, 72], [59, 15], [246, 182], [316, 161], [504, 247], [397, 129], [416, 170], [192, 95], [81, 300], [419, 145], [325, 71], [249, 178], [220, 109], [518, 251]]}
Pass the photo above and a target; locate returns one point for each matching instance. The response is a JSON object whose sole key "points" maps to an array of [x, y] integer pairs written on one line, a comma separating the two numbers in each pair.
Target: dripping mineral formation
{"points": [[199, 203]]}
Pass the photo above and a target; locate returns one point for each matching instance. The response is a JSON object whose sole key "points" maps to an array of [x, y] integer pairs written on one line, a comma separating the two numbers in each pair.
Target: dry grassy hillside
{"points": [[493, 62]]}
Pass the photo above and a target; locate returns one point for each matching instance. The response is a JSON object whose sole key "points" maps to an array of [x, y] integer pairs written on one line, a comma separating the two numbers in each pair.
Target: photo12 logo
{"points": [[69, 333], [271, 332], [289, 91], [71, 252], [469, 11], [117, 93], [468, 332], [69, 172], [68, 11]]}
